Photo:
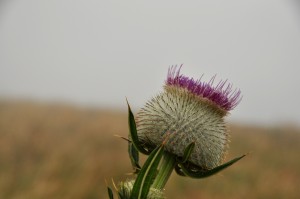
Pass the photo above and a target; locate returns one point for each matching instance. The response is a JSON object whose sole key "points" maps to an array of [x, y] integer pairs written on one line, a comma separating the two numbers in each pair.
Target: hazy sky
{"points": [[97, 52]]}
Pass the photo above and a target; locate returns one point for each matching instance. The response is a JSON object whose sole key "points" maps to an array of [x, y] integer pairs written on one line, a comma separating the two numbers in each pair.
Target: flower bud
{"points": [[125, 189]]}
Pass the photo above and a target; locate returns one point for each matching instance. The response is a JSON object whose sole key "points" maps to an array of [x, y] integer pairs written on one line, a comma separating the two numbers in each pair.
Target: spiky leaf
{"points": [[133, 132], [147, 174], [207, 173], [179, 170], [134, 157], [110, 193], [188, 151]]}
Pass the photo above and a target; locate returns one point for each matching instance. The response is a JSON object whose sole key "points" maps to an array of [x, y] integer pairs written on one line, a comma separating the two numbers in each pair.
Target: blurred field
{"points": [[57, 151]]}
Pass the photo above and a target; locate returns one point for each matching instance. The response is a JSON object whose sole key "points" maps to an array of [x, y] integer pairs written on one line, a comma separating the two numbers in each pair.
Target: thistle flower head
{"points": [[187, 111]]}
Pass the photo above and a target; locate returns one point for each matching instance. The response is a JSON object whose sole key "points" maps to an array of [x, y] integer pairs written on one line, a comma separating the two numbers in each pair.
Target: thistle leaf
{"points": [[207, 173], [187, 152], [122, 196], [179, 170], [133, 132], [110, 193], [134, 157], [147, 174]]}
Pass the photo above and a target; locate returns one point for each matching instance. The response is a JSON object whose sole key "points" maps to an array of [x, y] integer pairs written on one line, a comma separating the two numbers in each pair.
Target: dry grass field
{"points": [[57, 151]]}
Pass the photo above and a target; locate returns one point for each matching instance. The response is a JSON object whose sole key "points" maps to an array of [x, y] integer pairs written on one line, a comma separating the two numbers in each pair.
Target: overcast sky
{"points": [[95, 52]]}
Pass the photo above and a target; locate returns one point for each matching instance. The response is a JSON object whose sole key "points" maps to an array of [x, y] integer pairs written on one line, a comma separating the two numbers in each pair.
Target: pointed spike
{"points": [[207, 173], [133, 132], [124, 138]]}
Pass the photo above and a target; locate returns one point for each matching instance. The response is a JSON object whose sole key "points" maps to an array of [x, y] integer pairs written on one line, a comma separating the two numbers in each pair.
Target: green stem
{"points": [[165, 170]]}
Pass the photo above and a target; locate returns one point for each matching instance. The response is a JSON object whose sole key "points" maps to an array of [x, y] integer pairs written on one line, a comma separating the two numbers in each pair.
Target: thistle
{"points": [[181, 129], [189, 111]]}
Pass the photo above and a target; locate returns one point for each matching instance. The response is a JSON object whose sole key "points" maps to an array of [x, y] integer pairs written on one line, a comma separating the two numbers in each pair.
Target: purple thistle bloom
{"points": [[221, 94]]}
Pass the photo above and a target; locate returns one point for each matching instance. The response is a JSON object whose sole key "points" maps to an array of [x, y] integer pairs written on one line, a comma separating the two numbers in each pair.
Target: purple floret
{"points": [[221, 94]]}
